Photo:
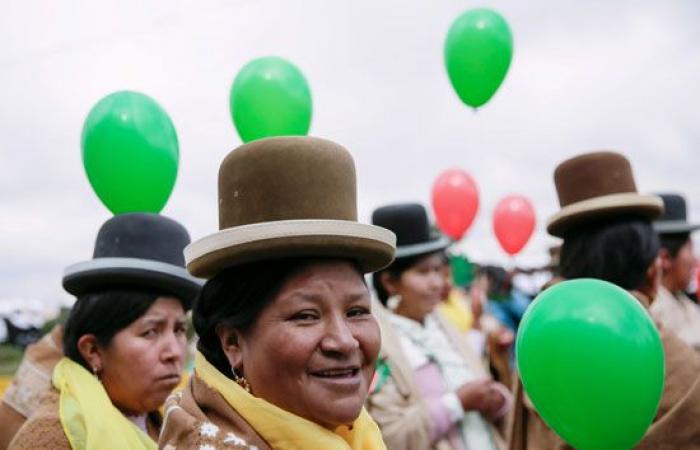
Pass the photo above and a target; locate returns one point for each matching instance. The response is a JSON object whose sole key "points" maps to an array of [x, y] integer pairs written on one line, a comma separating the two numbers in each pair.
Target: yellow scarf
{"points": [[455, 309], [284, 430], [88, 417]]}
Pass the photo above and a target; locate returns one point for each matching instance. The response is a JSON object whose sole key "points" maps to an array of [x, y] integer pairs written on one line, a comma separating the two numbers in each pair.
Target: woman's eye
{"points": [[181, 329], [152, 332], [355, 312], [304, 316]]}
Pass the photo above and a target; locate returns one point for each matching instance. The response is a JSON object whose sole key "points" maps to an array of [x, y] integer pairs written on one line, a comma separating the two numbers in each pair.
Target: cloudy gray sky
{"points": [[586, 75]]}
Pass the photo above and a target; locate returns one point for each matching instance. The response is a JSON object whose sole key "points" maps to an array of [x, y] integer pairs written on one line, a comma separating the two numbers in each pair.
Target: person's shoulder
{"points": [[43, 430], [187, 425]]}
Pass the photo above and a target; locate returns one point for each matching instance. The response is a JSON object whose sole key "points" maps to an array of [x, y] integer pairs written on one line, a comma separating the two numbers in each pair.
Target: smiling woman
{"points": [[288, 343], [302, 334], [433, 392]]}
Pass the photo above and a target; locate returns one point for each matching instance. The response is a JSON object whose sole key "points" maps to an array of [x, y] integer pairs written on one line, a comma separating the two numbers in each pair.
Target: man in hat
{"points": [[672, 307], [607, 231], [135, 250]]}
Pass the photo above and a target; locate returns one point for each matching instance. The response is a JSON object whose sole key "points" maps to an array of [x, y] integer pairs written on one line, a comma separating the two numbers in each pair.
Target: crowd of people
{"points": [[298, 347]]}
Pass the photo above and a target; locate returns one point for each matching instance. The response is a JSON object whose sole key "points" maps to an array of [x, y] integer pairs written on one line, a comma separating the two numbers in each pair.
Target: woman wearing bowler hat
{"points": [[124, 341], [607, 232], [288, 343], [431, 391], [672, 307]]}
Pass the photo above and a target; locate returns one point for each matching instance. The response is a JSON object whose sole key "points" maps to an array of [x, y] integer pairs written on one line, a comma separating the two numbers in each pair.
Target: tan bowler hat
{"points": [[598, 186], [289, 196]]}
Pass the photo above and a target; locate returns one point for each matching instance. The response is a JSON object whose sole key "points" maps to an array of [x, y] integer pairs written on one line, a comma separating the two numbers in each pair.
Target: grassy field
{"points": [[10, 357]]}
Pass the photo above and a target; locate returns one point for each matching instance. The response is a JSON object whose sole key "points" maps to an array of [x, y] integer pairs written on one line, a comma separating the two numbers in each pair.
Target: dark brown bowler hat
{"points": [[289, 196], [598, 186]]}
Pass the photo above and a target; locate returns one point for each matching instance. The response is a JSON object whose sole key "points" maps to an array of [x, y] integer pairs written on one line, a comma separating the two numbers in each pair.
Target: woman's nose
{"points": [[339, 338], [436, 281], [173, 348]]}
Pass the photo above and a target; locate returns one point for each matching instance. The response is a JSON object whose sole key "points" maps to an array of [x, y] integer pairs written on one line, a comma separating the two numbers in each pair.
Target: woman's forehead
{"points": [[325, 279], [433, 259], [163, 307]]}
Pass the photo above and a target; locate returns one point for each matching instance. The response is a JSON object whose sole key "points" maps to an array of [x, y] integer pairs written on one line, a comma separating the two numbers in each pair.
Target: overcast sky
{"points": [[586, 75]]}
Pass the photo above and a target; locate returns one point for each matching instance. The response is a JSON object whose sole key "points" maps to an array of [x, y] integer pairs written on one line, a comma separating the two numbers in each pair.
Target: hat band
{"points": [[130, 263], [674, 226], [243, 234], [423, 248], [609, 201]]}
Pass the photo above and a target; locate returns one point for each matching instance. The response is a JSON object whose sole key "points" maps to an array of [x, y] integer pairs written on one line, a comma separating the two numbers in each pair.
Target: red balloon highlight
{"points": [[513, 223], [455, 201]]}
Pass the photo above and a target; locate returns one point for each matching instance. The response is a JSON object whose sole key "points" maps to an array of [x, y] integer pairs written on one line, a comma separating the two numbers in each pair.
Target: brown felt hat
{"points": [[598, 186], [289, 196]]}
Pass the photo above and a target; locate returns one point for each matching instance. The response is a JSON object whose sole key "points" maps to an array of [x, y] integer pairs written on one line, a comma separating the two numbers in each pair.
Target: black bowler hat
{"points": [[409, 221], [675, 218], [140, 250]]}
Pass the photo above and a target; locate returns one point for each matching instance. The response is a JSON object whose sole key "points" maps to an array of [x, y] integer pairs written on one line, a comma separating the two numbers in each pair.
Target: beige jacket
{"points": [[30, 384], [678, 314], [397, 407], [44, 430], [675, 426], [199, 417]]}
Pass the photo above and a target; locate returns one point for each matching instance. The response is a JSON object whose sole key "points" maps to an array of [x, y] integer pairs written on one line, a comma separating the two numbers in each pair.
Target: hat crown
{"points": [[142, 236], [593, 175], [408, 221], [674, 208], [287, 178]]}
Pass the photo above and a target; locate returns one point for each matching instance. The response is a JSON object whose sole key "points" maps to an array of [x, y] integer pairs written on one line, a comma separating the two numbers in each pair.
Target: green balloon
{"points": [[130, 152], [592, 363], [478, 51], [270, 97]]}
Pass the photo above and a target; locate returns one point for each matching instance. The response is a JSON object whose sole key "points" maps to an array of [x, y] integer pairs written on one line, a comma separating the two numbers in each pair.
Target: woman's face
{"points": [[420, 287], [680, 268], [313, 349], [144, 361]]}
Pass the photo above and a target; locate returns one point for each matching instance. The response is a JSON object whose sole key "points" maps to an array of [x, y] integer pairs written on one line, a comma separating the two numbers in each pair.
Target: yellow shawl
{"points": [[284, 430], [88, 417]]}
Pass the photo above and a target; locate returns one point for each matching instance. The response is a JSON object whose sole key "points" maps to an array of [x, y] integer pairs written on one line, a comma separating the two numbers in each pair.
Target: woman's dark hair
{"points": [[499, 285], [395, 270], [235, 297], [103, 314], [619, 252], [674, 242]]}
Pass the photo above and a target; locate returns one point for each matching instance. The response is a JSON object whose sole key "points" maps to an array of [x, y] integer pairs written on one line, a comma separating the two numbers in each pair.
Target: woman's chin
{"points": [[337, 414]]}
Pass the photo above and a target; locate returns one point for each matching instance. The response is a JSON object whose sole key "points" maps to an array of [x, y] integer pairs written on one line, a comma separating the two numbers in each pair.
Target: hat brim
{"points": [[602, 208], [371, 246], [106, 273], [675, 226], [407, 251]]}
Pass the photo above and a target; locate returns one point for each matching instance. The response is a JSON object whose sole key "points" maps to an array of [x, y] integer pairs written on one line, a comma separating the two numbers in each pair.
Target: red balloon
{"points": [[455, 202], [513, 223]]}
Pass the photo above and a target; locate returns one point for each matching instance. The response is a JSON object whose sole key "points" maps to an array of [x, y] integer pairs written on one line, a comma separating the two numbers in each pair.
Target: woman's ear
{"points": [[390, 284], [666, 260], [91, 352], [230, 340], [653, 277]]}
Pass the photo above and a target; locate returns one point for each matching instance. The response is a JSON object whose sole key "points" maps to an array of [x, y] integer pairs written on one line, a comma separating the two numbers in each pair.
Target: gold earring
{"points": [[240, 380]]}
